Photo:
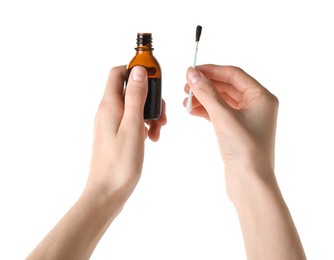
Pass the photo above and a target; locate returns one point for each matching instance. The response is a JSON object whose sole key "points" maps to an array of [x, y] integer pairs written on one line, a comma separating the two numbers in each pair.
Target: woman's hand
{"points": [[120, 133], [243, 114], [117, 159]]}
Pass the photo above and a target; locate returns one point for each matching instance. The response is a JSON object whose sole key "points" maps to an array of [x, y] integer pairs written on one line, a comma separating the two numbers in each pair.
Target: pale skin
{"points": [[116, 164], [243, 114]]}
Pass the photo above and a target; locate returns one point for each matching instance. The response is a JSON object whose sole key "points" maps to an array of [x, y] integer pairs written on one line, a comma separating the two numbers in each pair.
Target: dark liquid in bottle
{"points": [[152, 109]]}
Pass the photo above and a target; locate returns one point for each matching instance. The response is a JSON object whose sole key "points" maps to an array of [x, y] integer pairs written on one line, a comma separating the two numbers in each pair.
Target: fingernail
{"points": [[138, 73], [193, 76]]}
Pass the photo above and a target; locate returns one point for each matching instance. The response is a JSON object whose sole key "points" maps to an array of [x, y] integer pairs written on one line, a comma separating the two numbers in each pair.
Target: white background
{"points": [[54, 61]]}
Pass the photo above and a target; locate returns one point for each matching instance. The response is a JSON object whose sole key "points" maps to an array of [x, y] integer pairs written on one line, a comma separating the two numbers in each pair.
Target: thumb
{"points": [[205, 91], [136, 93]]}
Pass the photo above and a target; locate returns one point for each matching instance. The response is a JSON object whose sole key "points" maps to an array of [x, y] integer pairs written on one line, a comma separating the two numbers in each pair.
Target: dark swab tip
{"points": [[198, 32]]}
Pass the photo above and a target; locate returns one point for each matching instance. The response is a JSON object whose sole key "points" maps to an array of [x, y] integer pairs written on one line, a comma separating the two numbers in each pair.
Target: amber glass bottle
{"points": [[144, 57]]}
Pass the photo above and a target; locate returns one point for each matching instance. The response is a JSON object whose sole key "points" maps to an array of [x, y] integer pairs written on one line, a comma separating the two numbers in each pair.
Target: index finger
{"points": [[115, 82], [231, 75], [112, 106]]}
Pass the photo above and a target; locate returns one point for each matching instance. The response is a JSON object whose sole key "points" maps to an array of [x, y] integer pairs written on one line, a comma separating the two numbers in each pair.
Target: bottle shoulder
{"points": [[146, 60]]}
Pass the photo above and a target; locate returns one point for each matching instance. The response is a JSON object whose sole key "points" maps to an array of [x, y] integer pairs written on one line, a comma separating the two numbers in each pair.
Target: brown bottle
{"points": [[144, 57]]}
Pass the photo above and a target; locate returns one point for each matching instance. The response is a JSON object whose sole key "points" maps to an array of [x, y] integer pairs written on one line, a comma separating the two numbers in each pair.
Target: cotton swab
{"points": [[198, 36]]}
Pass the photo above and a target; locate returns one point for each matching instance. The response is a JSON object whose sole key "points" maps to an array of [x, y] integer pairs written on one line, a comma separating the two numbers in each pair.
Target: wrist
{"points": [[245, 184], [111, 188], [106, 203]]}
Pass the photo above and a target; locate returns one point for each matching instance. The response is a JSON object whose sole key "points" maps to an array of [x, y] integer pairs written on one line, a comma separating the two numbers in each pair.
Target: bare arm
{"points": [[243, 114]]}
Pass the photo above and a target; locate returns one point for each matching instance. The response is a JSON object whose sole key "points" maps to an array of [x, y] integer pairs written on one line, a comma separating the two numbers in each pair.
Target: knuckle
{"points": [[112, 70], [107, 110], [207, 91], [115, 71], [237, 71], [274, 100]]}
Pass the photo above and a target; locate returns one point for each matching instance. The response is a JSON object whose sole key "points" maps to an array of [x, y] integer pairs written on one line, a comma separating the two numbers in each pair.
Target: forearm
{"points": [[267, 226], [78, 232]]}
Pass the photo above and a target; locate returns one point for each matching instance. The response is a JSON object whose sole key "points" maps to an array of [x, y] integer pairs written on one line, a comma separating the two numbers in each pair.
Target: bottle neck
{"points": [[144, 42], [140, 49]]}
